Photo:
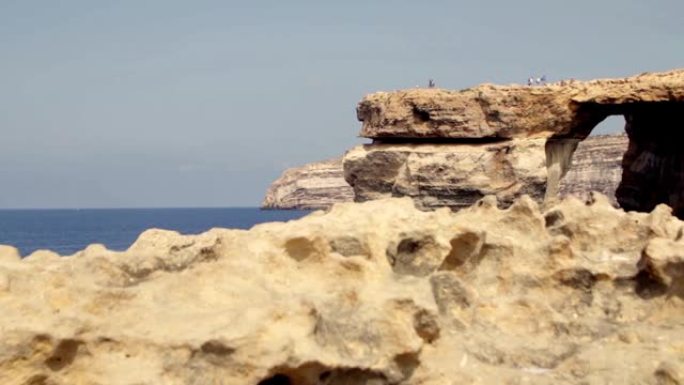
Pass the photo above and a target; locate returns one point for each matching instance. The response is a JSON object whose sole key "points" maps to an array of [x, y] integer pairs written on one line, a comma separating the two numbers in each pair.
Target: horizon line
{"points": [[138, 208]]}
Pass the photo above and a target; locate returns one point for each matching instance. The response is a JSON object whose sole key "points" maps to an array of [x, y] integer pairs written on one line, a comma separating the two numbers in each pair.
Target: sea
{"points": [[66, 231]]}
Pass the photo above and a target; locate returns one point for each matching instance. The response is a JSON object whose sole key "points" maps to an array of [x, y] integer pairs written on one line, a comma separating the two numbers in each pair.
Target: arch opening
{"points": [[596, 164], [652, 168]]}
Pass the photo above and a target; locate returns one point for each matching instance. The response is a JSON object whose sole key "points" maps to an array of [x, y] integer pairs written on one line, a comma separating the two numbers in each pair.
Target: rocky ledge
{"points": [[312, 186], [374, 293], [432, 172], [567, 108]]}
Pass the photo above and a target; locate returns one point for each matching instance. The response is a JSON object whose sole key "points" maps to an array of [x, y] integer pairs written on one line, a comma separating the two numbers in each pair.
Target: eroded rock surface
{"points": [[312, 186], [373, 293], [568, 108], [450, 175], [596, 166]]}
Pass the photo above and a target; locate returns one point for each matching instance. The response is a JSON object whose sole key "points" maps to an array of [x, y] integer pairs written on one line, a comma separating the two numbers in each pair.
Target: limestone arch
{"points": [[652, 167]]}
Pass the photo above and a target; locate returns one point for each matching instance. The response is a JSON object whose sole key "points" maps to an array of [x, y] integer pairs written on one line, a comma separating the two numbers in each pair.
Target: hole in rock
{"points": [[63, 355], [278, 379], [415, 254], [324, 376], [420, 116], [648, 286], [407, 363], [300, 248], [216, 348], [596, 164], [409, 246], [637, 171], [463, 247]]}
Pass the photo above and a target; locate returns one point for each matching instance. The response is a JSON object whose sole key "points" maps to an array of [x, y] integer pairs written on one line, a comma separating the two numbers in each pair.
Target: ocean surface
{"points": [[67, 231]]}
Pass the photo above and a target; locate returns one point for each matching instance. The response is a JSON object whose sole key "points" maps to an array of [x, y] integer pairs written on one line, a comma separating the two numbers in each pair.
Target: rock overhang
{"points": [[566, 108]]}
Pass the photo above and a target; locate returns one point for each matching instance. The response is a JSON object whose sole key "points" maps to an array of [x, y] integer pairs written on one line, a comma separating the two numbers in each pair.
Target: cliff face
{"points": [[312, 186], [377, 293], [431, 173], [596, 166], [448, 175]]}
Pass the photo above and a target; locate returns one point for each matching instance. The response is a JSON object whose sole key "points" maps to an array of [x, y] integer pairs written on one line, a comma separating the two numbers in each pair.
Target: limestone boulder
{"points": [[447, 175], [373, 293]]}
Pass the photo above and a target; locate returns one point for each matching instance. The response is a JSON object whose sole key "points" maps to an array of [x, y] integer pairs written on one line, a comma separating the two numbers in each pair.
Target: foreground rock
{"points": [[312, 186], [373, 293]]}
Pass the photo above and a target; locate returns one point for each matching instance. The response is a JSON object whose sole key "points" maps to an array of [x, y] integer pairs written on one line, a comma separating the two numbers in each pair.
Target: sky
{"points": [[165, 103]]}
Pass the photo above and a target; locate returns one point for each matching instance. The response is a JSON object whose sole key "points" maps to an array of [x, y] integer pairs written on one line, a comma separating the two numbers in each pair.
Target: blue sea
{"points": [[67, 231]]}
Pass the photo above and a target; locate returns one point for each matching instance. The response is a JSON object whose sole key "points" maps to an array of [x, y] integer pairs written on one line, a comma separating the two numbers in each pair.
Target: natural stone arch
{"points": [[454, 147], [652, 167]]}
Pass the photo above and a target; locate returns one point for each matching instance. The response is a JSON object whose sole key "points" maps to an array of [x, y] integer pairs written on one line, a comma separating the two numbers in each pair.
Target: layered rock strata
{"points": [[371, 294], [312, 186], [452, 175], [563, 114], [568, 108], [654, 162], [596, 166]]}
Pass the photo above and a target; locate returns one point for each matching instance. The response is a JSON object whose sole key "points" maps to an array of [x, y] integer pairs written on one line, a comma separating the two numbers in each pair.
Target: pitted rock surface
{"points": [[448, 175], [373, 293]]}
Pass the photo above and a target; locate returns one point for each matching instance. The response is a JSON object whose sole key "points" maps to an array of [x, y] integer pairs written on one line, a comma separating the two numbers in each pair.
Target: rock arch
{"points": [[500, 129], [652, 167]]}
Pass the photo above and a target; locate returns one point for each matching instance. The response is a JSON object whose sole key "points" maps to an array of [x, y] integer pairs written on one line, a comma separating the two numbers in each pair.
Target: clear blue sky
{"points": [[203, 103]]}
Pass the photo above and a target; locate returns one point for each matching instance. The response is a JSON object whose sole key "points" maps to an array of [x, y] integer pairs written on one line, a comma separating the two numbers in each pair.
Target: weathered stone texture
{"points": [[448, 175], [596, 166], [312, 186], [488, 111], [377, 293]]}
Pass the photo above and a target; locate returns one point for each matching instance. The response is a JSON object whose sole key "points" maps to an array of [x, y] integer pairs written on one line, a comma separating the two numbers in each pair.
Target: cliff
{"points": [[451, 175], [377, 293], [595, 166], [312, 186]]}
